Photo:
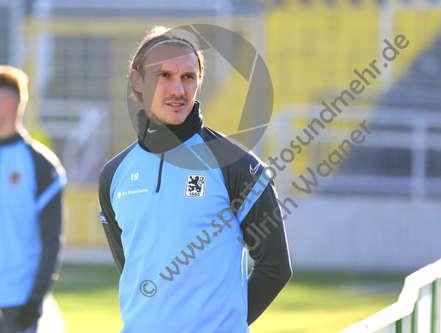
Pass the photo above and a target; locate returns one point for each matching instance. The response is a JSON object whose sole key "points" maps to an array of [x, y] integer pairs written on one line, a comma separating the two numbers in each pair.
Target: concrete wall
{"points": [[364, 233]]}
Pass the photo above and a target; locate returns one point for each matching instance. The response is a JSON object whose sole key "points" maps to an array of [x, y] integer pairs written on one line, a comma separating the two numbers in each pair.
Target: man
{"points": [[31, 179], [156, 212]]}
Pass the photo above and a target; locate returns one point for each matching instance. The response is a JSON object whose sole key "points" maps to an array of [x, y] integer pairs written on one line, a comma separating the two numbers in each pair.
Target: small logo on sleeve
{"points": [[14, 178], [103, 219], [195, 186]]}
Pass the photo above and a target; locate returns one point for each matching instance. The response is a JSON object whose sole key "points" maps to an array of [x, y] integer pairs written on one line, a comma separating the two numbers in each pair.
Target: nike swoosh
{"points": [[254, 170], [151, 131]]}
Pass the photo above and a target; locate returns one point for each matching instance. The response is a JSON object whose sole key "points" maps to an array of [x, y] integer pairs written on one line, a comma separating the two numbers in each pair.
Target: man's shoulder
{"points": [[110, 167], [43, 157], [230, 153], [239, 165], [49, 173]]}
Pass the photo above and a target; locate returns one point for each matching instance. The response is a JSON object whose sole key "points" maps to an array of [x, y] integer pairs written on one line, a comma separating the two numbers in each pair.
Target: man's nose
{"points": [[177, 88]]}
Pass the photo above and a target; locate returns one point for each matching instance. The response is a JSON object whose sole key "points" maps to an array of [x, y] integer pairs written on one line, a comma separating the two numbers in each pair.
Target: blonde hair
{"points": [[160, 34], [15, 80]]}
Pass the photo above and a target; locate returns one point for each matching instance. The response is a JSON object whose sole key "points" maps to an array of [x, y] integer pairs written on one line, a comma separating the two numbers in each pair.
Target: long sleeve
{"points": [[272, 267], [111, 228], [51, 229], [51, 178]]}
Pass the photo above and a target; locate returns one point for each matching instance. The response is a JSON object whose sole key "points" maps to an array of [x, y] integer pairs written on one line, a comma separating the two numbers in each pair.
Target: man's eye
{"points": [[163, 75]]}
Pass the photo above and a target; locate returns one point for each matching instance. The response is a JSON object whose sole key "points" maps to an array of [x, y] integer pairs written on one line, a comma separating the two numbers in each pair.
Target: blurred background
{"points": [[362, 229]]}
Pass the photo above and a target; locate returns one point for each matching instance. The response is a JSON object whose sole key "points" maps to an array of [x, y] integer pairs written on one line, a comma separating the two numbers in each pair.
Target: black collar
{"points": [[12, 139], [157, 138]]}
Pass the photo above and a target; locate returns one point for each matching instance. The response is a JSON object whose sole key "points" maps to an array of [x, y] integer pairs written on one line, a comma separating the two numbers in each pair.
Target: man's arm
{"points": [[50, 179], [113, 235], [50, 227], [272, 267], [110, 225]]}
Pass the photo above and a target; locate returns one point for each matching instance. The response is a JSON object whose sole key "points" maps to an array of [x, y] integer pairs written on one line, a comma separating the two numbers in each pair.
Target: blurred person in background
{"points": [[153, 211], [31, 182]]}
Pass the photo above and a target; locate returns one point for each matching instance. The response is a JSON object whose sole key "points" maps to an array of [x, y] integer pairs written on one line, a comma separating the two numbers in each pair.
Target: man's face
{"points": [[8, 104], [174, 82]]}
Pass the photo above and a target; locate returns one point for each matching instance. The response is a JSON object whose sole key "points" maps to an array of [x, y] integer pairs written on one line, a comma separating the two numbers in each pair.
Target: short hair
{"points": [[159, 34], [17, 81]]}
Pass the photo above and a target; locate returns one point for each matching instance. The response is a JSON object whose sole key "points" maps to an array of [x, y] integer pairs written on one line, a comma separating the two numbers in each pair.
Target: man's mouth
{"points": [[175, 105]]}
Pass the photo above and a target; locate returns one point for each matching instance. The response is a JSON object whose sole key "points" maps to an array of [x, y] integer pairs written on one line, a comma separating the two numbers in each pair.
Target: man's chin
{"points": [[175, 119], [175, 122], [170, 118]]}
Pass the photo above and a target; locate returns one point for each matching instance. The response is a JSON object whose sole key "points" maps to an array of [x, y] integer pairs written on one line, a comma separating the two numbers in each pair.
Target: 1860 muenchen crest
{"points": [[195, 186], [14, 178]]}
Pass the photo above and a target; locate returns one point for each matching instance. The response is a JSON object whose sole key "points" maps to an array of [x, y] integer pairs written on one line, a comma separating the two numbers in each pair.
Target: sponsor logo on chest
{"points": [[195, 186], [131, 192]]}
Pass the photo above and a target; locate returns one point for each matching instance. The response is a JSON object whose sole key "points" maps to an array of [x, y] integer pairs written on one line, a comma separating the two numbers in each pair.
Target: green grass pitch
{"points": [[311, 303]]}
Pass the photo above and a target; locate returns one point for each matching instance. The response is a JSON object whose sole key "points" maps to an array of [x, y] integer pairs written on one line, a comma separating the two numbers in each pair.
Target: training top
{"points": [[31, 179], [176, 239]]}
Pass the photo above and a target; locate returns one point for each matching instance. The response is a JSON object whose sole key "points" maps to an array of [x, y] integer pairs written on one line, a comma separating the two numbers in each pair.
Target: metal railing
{"points": [[417, 310], [417, 132], [80, 130]]}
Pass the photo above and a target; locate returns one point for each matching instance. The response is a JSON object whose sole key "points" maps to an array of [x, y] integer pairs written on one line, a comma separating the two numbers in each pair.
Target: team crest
{"points": [[14, 178], [195, 186]]}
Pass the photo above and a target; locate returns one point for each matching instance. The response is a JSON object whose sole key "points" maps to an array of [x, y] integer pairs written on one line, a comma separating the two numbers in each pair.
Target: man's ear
{"points": [[136, 80]]}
